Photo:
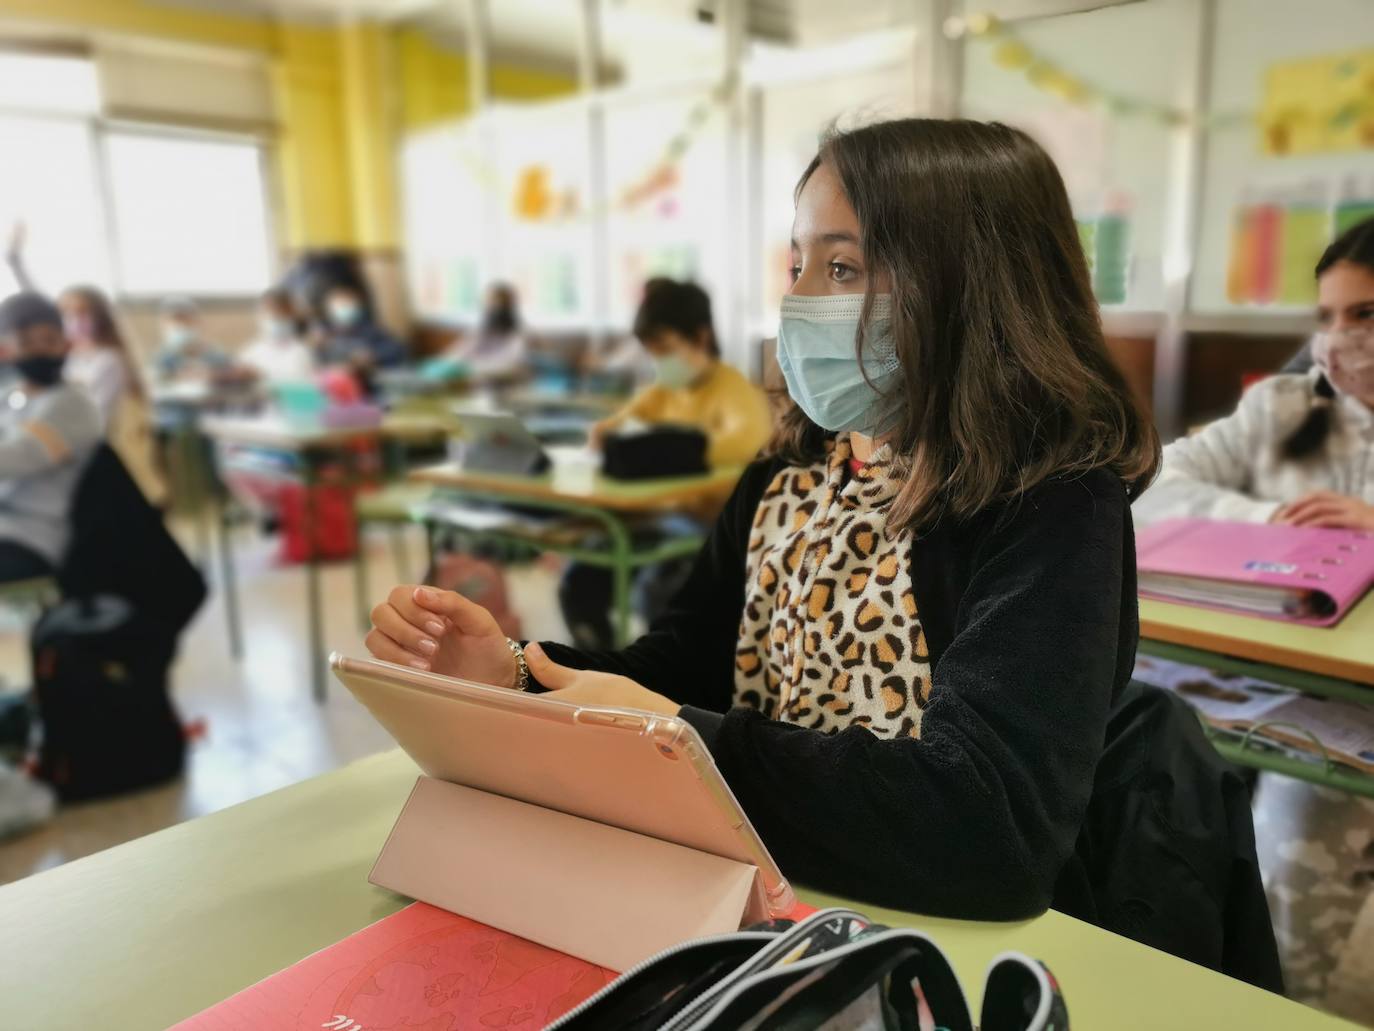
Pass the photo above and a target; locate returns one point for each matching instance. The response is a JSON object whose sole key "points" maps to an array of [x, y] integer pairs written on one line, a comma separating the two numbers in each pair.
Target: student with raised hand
{"points": [[48, 428], [1299, 450], [1300, 447], [904, 635]]}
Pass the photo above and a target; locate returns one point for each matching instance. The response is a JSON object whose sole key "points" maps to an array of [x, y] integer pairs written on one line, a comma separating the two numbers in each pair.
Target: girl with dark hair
{"points": [[498, 347], [904, 636], [1300, 450]]}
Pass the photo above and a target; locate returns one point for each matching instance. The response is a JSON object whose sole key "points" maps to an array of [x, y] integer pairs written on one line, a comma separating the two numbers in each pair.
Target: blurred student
{"points": [[102, 362], [498, 348], [692, 387], [905, 634], [185, 354], [1300, 448], [1300, 451], [280, 353], [352, 336], [48, 428]]}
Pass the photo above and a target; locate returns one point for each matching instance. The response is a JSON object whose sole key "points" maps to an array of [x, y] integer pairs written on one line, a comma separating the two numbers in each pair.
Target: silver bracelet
{"points": [[522, 669]]}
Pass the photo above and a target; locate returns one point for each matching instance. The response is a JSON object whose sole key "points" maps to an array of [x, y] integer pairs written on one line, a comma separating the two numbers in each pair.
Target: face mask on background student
{"points": [[816, 356], [176, 335], [78, 328], [276, 329], [42, 370], [1346, 358], [674, 371], [344, 313]]}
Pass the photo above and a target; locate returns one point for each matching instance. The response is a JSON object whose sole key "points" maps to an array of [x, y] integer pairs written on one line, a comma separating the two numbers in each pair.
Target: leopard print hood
{"points": [[831, 636]]}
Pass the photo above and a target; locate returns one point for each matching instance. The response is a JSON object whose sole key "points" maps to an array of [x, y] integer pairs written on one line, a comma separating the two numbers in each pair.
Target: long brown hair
{"points": [[105, 332], [1006, 380]]}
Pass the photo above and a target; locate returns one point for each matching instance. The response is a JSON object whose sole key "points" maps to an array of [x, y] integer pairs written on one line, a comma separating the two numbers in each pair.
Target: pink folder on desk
{"points": [[1299, 574]]}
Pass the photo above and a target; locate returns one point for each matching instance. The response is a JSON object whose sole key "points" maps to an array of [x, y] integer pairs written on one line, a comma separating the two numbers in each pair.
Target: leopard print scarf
{"points": [[830, 636]]}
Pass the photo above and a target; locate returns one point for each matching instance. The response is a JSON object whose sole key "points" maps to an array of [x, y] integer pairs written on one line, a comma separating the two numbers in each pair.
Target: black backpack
{"points": [[100, 680]]}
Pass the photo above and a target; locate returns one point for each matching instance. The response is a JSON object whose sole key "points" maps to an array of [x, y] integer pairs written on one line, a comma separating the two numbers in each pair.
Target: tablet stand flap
{"points": [[606, 895]]}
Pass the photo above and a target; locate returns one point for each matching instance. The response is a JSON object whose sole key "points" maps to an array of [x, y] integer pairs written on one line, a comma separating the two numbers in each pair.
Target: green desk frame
{"points": [[622, 558], [1255, 754]]}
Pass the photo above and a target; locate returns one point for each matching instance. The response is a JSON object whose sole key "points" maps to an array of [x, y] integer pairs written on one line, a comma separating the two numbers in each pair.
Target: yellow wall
{"points": [[344, 97]]}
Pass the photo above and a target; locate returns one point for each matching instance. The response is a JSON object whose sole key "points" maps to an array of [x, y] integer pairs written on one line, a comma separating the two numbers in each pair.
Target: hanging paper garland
{"points": [[1014, 54]]}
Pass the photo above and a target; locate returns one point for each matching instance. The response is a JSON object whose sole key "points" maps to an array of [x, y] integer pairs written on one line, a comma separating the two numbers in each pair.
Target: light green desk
{"points": [[604, 504], [1334, 662], [153, 931]]}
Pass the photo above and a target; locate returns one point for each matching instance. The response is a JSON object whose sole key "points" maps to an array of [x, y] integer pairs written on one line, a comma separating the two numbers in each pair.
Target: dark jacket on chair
{"points": [[120, 546], [1166, 855]]}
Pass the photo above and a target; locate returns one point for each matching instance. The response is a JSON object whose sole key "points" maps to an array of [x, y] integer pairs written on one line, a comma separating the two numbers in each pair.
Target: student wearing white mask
{"points": [[279, 354], [1299, 450], [905, 633], [185, 353]]}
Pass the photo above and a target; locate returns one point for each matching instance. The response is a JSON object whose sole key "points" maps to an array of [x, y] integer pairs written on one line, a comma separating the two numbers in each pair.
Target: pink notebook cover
{"points": [[422, 969], [1336, 563]]}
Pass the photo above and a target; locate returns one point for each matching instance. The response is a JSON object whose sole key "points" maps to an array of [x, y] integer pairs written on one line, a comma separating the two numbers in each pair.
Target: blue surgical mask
{"points": [[673, 371], [344, 314], [177, 336], [817, 358]]}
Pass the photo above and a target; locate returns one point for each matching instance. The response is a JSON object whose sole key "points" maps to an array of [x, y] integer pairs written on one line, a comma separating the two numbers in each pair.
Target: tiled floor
{"points": [[262, 729]]}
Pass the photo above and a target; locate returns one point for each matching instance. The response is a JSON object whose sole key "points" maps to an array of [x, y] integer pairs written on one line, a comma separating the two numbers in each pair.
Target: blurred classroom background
{"points": [[460, 203]]}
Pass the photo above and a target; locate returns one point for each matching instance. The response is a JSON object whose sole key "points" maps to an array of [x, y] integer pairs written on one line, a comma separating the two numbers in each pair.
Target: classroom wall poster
{"points": [[1318, 105]]}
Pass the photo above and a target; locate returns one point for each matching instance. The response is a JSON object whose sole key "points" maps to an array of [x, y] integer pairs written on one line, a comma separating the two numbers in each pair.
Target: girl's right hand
{"points": [[443, 632]]}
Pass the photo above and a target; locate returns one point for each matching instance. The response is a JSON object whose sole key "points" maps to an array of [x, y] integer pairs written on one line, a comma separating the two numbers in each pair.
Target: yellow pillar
{"points": [[368, 115]]}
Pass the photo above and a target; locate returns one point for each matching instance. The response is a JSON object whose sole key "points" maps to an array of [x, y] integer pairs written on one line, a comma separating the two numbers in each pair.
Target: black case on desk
{"points": [[655, 453]]}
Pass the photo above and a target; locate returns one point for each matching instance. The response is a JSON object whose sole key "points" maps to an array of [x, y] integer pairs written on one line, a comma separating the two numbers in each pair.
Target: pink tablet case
{"points": [[1337, 563]]}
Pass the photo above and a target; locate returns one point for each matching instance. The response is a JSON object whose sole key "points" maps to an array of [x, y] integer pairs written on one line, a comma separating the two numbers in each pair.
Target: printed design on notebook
{"points": [[831, 636]]}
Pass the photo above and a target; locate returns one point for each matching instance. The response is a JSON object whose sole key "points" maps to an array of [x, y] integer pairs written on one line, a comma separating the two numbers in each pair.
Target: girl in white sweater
{"points": [[1300, 450]]}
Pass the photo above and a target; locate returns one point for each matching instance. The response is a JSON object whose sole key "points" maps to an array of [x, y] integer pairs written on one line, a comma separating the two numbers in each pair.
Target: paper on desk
{"points": [[1345, 729], [421, 968]]}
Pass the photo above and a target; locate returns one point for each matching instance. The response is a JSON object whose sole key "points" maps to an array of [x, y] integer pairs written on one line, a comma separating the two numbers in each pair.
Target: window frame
{"points": [[103, 129]]}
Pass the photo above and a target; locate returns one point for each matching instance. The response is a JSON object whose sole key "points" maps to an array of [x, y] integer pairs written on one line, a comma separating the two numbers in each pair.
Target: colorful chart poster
{"points": [[1318, 105]]}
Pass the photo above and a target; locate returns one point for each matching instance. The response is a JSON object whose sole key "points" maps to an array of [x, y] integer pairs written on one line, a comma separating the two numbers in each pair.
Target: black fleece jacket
{"points": [[1029, 610]]}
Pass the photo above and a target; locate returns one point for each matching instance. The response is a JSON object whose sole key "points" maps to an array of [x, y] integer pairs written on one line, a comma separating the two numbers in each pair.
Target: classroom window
{"points": [[48, 181], [190, 214]]}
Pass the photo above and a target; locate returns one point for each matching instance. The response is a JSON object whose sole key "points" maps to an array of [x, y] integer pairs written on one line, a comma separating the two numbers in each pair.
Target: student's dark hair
{"points": [[503, 316], [105, 330], [1005, 376], [684, 308], [27, 309], [1355, 245]]}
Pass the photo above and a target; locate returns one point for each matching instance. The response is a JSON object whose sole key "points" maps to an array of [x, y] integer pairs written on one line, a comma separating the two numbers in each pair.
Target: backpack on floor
{"points": [[100, 681]]}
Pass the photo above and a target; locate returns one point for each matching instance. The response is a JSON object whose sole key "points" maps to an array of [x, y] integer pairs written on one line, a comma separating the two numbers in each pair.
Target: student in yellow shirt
{"points": [[692, 387]]}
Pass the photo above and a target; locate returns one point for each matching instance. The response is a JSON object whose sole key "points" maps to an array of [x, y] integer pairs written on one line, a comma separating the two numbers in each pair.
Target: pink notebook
{"points": [[1299, 574]]}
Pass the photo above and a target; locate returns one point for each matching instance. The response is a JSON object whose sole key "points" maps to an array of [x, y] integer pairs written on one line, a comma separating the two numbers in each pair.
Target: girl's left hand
{"points": [[588, 687], [1329, 509]]}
